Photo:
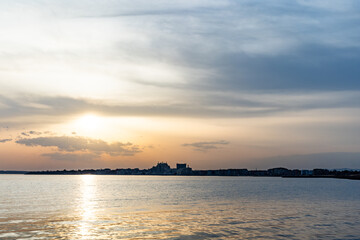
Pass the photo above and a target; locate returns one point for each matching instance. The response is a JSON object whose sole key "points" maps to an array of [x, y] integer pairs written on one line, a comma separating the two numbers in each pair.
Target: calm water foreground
{"points": [[161, 207]]}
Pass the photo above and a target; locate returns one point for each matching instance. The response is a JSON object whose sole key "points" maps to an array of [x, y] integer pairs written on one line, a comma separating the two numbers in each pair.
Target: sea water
{"points": [[177, 207]]}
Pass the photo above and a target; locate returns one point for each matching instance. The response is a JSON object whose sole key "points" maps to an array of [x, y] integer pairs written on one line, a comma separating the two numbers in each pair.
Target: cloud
{"points": [[301, 69], [5, 140], [83, 144], [202, 105], [205, 146], [35, 132], [188, 59], [88, 157], [233, 39], [208, 50], [29, 133]]}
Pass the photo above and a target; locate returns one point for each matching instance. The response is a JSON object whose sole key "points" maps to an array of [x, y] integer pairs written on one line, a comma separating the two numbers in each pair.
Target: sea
{"points": [[177, 207]]}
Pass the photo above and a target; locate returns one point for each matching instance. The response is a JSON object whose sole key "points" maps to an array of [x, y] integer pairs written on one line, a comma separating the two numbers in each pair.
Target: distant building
{"points": [[161, 168], [182, 169], [180, 166]]}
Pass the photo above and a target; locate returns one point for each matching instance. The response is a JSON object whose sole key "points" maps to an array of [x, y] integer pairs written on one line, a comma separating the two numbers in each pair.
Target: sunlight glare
{"points": [[89, 122], [87, 206]]}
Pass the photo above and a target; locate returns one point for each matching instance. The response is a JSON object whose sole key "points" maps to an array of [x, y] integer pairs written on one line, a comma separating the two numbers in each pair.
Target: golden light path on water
{"points": [[87, 205]]}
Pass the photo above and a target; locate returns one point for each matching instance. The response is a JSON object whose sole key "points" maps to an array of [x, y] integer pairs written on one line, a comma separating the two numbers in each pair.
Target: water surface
{"points": [[170, 207]]}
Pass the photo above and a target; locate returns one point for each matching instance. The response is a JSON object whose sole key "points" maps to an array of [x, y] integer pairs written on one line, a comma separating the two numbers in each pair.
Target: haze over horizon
{"points": [[215, 84]]}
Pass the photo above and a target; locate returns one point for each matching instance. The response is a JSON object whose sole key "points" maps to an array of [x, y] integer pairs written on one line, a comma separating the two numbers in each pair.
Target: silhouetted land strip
{"points": [[184, 170], [13, 172]]}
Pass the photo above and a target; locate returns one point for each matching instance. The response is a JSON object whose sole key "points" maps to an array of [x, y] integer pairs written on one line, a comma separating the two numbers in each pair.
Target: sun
{"points": [[88, 122], [104, 127]]}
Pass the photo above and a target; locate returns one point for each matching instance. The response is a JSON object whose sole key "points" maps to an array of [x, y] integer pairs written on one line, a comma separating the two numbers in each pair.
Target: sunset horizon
{"points": [[180, 119], [217, 84]]}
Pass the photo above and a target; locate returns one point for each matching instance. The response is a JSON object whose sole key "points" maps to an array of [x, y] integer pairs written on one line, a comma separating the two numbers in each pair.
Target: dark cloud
{"points": [[252, 45], [85, 157], [74, 144], [205, 146], [5, 140], [311, 67]]}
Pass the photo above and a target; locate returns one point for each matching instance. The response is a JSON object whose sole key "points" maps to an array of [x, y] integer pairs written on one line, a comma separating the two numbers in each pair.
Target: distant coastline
{"points": [[14, 172], [182, 169]]}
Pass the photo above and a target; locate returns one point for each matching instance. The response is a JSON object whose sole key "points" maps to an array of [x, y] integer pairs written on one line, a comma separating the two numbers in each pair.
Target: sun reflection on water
{"points": [[87, 206]]}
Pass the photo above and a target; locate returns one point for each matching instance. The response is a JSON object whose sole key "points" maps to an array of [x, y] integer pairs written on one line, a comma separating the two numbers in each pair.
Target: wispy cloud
{"points": [[83, 144], [204, 105], [32, 132], [5, 140], [228, 40], [29, 133], [205, 47], [205, 146]]}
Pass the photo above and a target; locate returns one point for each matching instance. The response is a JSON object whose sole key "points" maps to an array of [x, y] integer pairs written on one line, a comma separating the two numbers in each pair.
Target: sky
{"points": [[215, 84]]}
